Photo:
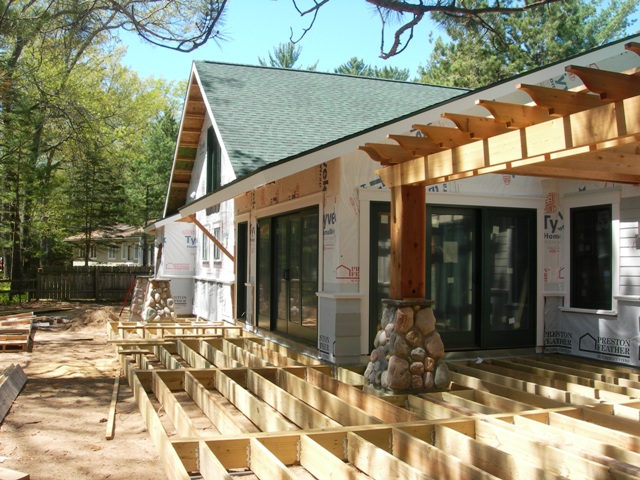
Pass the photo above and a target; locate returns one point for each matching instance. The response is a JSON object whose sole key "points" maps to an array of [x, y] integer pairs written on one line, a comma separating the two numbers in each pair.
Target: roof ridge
{"points": [[331, 74]]}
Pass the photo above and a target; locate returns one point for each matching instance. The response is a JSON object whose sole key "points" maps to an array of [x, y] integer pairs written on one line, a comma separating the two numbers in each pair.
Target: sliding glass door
{"points": [[288, 274], [480, 273]]}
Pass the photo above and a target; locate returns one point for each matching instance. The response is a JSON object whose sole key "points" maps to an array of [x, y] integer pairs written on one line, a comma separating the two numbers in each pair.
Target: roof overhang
{"points": [[193, 117], [507, 91], [590, 133], [152, 227]]}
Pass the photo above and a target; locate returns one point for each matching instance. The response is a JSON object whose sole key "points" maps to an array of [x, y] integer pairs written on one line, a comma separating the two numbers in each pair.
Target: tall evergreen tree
{"points": [[285, 55], [475, 56], [356, 66]]}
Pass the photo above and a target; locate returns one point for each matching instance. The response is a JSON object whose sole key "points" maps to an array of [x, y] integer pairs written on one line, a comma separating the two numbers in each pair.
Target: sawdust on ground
{"points": [[56, 427]]}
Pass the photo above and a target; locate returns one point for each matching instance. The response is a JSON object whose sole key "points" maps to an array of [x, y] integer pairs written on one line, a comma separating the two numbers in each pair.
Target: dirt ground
{"points": [[56, 427]]}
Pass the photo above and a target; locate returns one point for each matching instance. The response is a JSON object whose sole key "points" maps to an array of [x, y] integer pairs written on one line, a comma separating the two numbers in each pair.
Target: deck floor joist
{"points": [[242, 405]]}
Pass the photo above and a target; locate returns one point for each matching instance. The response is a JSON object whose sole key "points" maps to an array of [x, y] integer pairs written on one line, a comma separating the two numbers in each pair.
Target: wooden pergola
{"points": [[591, 134]]}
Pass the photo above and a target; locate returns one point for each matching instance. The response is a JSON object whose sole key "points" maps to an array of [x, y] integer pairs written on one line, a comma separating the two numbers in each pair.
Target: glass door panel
{"points": [[282, 272], [264, 257], [509, 278], [452, 274], [242, 262], [295, 273], [379, 275], [309, 272]]}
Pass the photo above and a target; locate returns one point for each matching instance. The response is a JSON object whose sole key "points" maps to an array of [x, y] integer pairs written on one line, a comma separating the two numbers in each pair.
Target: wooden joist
{"points": [[537, 417]]}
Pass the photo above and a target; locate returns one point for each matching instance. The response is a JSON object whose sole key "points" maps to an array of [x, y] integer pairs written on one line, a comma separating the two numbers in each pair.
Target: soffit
{"points": [[187, 147]]}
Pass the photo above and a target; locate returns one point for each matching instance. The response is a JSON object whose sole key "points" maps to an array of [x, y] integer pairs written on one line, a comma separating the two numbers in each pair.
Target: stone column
{"points": [[138, 298], [159, 306], [408, 352]]}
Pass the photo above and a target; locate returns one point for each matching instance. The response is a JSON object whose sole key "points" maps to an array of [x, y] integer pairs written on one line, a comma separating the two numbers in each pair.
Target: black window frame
{"points": [[214, 157], [591, 269]]}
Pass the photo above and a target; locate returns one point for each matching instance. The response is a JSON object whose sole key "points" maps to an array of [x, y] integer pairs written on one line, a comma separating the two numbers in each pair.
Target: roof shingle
{"points": [[266, 114]]}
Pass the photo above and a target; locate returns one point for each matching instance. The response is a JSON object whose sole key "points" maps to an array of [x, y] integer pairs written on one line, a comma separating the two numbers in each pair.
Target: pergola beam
{"points": [[603, 127]]}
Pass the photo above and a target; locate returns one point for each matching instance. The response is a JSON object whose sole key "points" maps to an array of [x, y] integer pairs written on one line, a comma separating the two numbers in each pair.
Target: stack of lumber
{"points": [[221, 407], [16, 332]]}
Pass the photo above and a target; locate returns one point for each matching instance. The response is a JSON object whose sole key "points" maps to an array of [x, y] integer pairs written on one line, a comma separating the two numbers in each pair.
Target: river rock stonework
{"points": [[138, 298], [159, 305], [408, 351]]}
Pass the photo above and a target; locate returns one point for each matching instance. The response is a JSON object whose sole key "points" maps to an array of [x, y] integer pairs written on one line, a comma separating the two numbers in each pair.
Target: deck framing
{"points": [[215, 407]]}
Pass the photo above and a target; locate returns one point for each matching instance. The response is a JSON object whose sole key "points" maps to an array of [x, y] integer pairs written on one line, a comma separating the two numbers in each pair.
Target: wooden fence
{"points": [[87, 283]]}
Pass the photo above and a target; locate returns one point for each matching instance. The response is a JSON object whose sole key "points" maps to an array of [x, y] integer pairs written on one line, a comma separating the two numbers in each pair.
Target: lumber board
{"points": [[542, 395], [610, 371], [265, 417], [171, 462], [629, 411], [439, 401], [111, 417], [323, 464], [233, 453], [376, 406], [270, 357], [12, 381], [499, 402], [542, 455], [166, 357], [17, 322], [296, 356], [209, 466], [485, 457], [349, 376], [431, 460], [211, 407], [372, 460], [598, 381], [587, 447], [614, 370], [327, 403], [265, 464], [174, 410], [527, 392], [297, 411], [432, 408], [8, 474], [610, 421], [579, 454], [191, 355], [244, 357], [591, 430], [211, 350], [469, 402]]}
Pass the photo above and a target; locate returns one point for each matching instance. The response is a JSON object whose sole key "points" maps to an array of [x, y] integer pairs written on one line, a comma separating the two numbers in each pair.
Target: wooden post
{"points": [[408, 240]]}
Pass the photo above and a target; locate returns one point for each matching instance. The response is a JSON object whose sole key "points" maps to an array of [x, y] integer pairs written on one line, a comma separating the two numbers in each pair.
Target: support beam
{"points": [[408, 240], [193, 219]]}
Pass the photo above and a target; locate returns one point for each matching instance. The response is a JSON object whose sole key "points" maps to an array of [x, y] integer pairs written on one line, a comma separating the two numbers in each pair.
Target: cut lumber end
{"points": [[7, 474]]}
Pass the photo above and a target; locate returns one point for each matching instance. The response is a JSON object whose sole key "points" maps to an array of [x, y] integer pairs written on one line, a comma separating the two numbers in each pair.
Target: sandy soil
{"points": [[56, 428]]}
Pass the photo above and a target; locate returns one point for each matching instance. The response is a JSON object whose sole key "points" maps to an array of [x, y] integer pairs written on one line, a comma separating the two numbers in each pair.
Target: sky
{"points": [[252, 28]]}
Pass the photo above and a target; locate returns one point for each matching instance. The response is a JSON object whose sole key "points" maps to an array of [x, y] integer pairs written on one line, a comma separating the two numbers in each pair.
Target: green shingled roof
{"points": [[266, 115]]}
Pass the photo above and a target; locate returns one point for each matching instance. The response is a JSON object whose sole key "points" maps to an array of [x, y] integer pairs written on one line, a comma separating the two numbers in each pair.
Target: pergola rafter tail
{"points": [[593, 133]]}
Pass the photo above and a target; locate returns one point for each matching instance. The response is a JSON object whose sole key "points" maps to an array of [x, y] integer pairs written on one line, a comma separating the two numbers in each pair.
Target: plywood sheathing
{"points": [[216, 407]]}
